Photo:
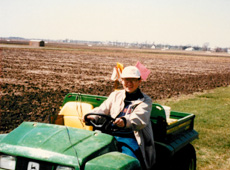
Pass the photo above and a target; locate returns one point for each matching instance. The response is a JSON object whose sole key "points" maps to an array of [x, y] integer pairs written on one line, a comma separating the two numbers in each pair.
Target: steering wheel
{"points": [[105, 126]]}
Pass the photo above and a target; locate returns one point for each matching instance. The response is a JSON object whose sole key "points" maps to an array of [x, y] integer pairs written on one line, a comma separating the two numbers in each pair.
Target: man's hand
{"points": [[90, 117], [119, 122]]}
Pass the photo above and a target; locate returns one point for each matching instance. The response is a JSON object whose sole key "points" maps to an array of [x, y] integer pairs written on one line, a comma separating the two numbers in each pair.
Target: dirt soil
{"points": [[34, 81]]}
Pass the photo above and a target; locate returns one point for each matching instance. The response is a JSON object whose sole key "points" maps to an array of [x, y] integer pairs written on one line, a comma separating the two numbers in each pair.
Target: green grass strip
{"points": [[212, 122]]}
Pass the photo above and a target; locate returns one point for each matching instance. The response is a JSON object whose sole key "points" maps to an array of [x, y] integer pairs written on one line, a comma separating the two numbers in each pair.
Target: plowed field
{"points": [[34, 81]]}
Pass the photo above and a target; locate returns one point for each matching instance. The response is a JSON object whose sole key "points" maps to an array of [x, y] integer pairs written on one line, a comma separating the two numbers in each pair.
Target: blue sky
{"points": [[175, 22]]}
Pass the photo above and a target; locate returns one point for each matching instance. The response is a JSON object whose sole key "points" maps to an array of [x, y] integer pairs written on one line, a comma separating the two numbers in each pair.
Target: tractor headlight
{"points": [[64, 168], [7, 162]]}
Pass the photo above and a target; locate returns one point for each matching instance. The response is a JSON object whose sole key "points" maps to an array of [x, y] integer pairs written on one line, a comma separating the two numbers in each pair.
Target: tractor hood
{"points": [[57, 144]]}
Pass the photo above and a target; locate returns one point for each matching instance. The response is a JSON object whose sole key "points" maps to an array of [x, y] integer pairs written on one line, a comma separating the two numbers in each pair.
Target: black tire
{"points": [[185, 159], [192, 160]]}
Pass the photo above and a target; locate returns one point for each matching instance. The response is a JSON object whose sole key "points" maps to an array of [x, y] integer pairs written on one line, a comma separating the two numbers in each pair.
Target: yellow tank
{"points": [[73, 114]]}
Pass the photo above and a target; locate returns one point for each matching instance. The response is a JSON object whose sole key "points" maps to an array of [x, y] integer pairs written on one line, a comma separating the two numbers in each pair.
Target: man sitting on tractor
{"points": [[131, 110]]}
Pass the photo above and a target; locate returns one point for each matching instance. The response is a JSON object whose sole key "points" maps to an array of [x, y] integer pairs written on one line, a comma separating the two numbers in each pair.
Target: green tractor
{"points": [[67, 143]]}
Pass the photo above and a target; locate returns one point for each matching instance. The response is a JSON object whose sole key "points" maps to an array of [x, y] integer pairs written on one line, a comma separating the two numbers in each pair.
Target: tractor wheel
{"points": [[191, 162], [185, 159]]}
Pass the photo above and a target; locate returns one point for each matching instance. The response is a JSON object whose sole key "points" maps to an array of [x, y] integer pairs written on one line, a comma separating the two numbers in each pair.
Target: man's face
{"points": [[130, 84]]}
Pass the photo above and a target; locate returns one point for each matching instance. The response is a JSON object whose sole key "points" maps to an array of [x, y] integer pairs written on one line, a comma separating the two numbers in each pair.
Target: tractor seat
{"points": [[73, 114]]}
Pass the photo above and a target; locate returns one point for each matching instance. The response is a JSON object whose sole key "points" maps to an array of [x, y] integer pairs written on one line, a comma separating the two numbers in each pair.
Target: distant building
{"points": [[37, 43], [153, 47], [165, 48], [189, 49]]}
